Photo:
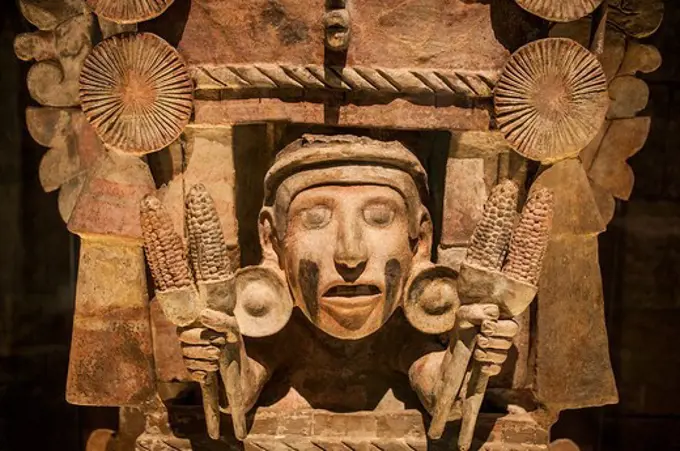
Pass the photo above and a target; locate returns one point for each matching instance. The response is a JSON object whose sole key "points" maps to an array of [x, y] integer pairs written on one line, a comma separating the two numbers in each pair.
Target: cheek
{"points": [[312, 247], [390, 244]]}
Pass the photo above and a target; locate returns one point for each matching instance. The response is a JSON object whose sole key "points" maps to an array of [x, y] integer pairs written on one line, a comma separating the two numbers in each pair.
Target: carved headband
{"points": [[316, 160]]}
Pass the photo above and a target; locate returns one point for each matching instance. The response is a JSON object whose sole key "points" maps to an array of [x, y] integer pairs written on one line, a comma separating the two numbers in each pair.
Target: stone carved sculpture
{"points": [[342, 336], [344, 222]]}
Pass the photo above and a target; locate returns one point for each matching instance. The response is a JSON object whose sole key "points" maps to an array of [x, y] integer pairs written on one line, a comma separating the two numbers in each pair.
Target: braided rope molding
{"points": [[365, 80], [269, 443]]}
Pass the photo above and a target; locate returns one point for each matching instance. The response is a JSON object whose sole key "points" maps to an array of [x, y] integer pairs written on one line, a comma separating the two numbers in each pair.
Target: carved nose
{"points": [[350, 253]]}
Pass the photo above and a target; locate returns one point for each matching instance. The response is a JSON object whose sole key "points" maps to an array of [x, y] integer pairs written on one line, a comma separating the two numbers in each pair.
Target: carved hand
{"points": [[495, 336], [203, 343], [497, 281], [200, 300]]}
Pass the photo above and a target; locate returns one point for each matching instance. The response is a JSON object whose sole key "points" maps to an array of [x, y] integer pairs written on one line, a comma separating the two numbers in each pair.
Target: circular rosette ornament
{"points": [[551, 99], [560, 10], [129, 11], [136, 92]]}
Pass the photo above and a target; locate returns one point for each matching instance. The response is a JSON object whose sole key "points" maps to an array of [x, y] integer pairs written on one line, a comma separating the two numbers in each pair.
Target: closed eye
{"points": [[378, 214], [316, 217]]}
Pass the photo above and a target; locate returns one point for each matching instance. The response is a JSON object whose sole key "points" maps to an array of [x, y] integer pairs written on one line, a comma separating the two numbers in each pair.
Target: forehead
{"points": [[346, 194]]}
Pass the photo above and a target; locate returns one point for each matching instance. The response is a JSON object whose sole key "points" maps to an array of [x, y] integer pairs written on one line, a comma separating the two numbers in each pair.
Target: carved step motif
{"points": [[551, 99], [136, 92], [129, 11]]}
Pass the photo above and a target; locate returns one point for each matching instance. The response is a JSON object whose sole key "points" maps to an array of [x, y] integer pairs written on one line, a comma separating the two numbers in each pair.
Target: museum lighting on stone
{"points": [[368, 225]]}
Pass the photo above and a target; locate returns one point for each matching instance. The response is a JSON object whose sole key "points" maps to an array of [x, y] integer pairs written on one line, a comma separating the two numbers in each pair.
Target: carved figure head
{"points": [[344, 219]]}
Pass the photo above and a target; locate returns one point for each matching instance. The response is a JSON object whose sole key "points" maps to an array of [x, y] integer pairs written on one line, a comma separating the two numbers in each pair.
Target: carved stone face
{"points": [[347, 254]]}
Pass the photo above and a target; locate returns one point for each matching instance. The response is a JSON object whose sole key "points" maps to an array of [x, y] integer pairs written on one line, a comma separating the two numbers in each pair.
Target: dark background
{"points": [[640, 258]]}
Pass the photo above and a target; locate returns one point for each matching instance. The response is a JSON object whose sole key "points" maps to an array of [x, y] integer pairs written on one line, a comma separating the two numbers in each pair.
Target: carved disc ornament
{"points": [[129, 11], [560, 10], [551, 99], [136, 92]]}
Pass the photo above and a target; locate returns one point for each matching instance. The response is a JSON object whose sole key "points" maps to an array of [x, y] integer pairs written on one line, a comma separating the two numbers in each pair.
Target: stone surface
{"points": [[108, 204], [614, 44], [576, 211], [74, 148], [207, 158], [623, 139], [574, 370], [167, 352], [558, 106], [399, 114], [629, 96], [464, 199], [414, 35], [111, 361], [424, 83], [59, 52]]}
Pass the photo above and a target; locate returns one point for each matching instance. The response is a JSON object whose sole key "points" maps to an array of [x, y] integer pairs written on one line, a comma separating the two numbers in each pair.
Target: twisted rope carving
{"points": [[322, 443], [477, 84]]}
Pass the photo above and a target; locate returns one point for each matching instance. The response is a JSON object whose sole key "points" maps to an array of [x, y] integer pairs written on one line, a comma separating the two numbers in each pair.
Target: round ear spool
{"points": [[263, 302], [431, 300]]}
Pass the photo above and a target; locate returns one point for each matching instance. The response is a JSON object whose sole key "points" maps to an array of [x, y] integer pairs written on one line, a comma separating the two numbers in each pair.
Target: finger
{"points": [[491, 369], [500, 329], [530, 238], [201, 336], [199, 376], [490, 356], [477, 314], [501, 344], [219, 321], [491, 236], [201, 365], [201, 352]]}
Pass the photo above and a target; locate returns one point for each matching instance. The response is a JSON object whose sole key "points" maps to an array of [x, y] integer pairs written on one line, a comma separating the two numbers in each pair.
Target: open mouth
{"points": [[350, 291], [350, 306]]}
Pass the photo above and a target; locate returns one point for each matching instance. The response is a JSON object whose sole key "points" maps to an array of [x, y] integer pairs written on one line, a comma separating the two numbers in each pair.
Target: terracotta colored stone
{"points": [[167, 352], [111, 361], [404, 115], [53, 80], [463, 200], [629, 96], [576, 211], [564, 445], [640, 58], [208, 158], [282, 30], [108, 204], [615, 43], [74, 147], [344, 225], [398, 114], [572, 371], [623, 139]]}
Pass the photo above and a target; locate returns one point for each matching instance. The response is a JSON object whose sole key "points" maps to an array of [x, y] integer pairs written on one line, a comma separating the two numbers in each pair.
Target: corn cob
{"points": [[207, 250], [164, 249], [490, 238], [530, 238]]}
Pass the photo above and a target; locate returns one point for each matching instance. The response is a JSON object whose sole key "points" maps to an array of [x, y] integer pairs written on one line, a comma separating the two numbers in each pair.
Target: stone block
{"points": [[111, 360], [572, 365]]}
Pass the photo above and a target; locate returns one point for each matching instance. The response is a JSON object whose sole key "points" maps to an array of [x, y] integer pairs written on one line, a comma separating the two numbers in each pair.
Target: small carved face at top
{"points": [[337, 29], [347, 254]]}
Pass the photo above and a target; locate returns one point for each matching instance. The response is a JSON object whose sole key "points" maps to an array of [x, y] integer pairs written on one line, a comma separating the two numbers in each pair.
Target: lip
{"points": [[350, 304]]}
